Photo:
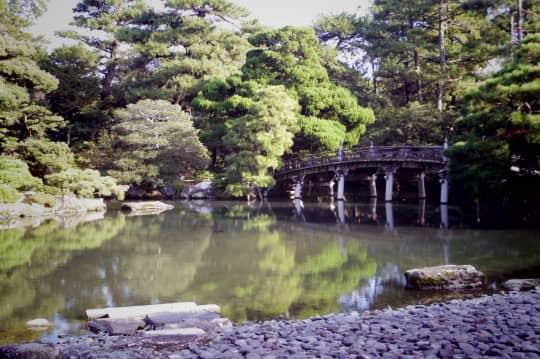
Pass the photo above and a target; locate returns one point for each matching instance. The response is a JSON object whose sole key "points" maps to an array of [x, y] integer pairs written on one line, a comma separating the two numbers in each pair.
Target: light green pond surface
{"points": [[256, 261]]}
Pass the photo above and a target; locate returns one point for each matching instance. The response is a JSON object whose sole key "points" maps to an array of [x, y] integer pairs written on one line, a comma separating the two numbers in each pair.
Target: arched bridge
{"points": [[383, 159]]}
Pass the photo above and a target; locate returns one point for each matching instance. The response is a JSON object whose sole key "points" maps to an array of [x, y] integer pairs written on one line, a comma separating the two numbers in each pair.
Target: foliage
{"points": [[22, 84], [419, 54], [100, 22], [258, 139], [41, 198], [176, 49], [294, 58], [14, 173], [77, 98], [155, 143], [46, 157], [85, 183], [500, 119], [8, 194]]}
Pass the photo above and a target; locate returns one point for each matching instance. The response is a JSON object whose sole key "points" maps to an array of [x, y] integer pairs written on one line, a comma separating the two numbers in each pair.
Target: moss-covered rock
{"points": [[445, 277]]}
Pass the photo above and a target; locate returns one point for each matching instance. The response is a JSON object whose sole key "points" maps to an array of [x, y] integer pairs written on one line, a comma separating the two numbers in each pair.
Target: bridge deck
{"points": [[427, 158]]}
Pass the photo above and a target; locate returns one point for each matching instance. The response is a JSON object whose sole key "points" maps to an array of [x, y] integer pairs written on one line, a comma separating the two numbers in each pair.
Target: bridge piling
{"points": [[421, 185], [389, 177], [373, 186]]}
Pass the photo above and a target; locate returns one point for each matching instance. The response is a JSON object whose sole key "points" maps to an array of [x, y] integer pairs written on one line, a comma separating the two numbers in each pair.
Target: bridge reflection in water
{"points": [[377, 160], [339, 210]]}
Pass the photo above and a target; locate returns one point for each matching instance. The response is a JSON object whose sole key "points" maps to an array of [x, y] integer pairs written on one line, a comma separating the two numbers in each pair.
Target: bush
{"points": [[85, 183], [45, 157], [15, 174], [8, 194], [41, 198]]}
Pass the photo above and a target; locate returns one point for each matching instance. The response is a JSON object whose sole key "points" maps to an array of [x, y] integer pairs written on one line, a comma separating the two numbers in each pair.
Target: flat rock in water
{"points": [[141, 311], [38, 323], [445, 277], [147, 206], [116, 326], [521, 284]]}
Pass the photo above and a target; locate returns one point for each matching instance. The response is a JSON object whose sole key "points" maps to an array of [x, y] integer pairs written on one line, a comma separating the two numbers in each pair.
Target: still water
{"points": [[259, 261]]}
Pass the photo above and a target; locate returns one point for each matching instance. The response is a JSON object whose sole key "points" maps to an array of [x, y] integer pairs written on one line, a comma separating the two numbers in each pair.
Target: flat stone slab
{"points": [[147, 206], [141, 311], [116, 326], [38, 323], [521, 284], [163, 318], [445, 277]]}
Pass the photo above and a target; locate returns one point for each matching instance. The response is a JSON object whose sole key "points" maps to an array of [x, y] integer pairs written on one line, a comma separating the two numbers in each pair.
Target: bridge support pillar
{"points": [[421, 186], [373, 185], [389, 177], [443, 180], [340, 176], [331, 184], [341, 187], [298, 183]]}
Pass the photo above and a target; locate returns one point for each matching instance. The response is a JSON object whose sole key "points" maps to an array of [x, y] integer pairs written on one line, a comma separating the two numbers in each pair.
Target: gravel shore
{"points": [[501, 326]]}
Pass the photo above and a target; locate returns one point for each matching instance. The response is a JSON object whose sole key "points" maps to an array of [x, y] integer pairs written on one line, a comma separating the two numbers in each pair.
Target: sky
{"points": [[275, 13]]}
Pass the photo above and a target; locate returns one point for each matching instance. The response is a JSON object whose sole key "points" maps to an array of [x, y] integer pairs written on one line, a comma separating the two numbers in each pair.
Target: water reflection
{"points": [[257, 261]]}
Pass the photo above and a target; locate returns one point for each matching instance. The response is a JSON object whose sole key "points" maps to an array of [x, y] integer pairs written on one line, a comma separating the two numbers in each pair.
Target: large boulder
{"points": [[198, 191], [445, 277]]}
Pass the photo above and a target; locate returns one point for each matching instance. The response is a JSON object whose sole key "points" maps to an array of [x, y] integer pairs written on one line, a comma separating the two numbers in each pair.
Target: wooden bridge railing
{"points": [[425, 154]]}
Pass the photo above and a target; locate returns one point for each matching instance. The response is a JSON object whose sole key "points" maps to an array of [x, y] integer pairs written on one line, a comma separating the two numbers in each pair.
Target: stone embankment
{"points": [[501, 326], [23, 214]]}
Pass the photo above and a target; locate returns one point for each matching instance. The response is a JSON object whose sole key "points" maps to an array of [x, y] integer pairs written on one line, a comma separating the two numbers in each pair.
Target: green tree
{"points": [[100, 20], [22, 85], [258, 139], [155, 143], [78, 94], [501, 118], [293, 57], [419, 54], [176, 49]]}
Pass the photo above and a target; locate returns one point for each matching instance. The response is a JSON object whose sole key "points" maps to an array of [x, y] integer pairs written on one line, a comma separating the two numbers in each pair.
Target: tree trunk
{"points": [[373, 71], [106, 84], [442, 59], [519, 24], [419, 95]]}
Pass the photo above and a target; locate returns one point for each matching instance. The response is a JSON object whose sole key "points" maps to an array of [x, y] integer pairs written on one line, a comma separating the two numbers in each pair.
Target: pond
{"points": [[258, 261]]}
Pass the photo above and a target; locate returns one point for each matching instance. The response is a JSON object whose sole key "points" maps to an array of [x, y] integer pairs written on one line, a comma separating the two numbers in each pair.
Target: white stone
{"points": [[140, 311], [39, 322]]}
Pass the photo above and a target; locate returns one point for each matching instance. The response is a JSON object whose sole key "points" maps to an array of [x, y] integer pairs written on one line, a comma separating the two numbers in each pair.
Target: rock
{"points": [[135, 193], [153, 207], [38, 323], [446, 277], [30, 351], [198, 191], [116, 326], [521, 284], [141, 311], [163, 318], [168, 192]]}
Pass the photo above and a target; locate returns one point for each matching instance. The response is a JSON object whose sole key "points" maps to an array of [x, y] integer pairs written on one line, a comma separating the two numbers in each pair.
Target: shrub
{"points": [[8, 194], [15, 173], [85, 183], [42, 198]]}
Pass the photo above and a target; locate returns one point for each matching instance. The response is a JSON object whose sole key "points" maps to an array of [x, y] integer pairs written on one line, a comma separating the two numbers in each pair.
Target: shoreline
{"points": [[498, 325]]}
